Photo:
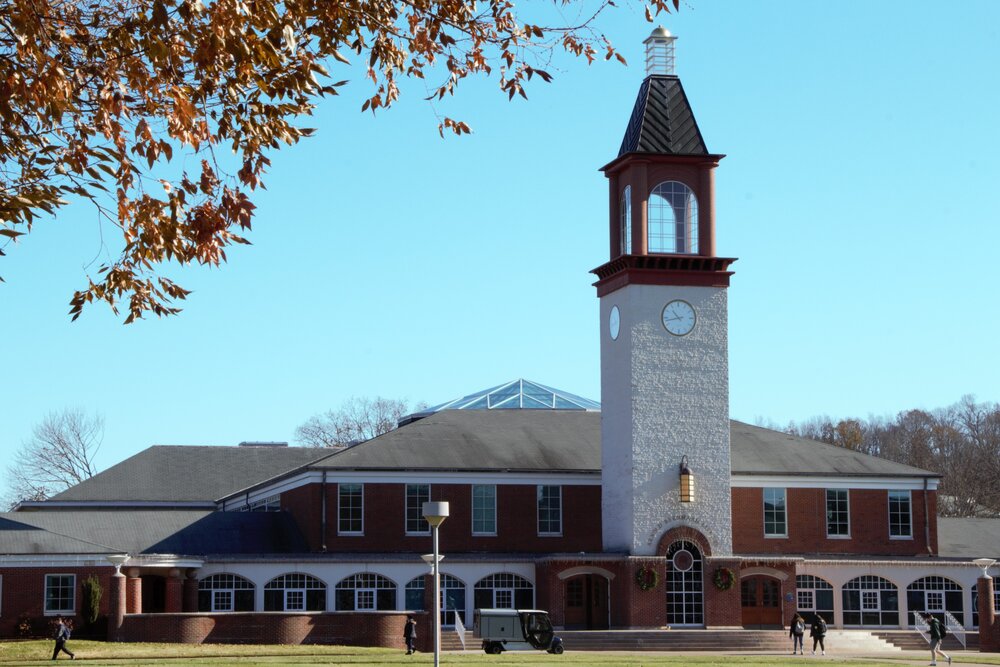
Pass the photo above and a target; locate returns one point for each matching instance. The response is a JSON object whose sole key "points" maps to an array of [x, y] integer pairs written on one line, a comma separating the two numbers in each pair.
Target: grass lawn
{"points": [[101, 653]]}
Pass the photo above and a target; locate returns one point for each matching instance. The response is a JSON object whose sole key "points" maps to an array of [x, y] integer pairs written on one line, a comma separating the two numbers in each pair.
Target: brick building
{"points": [[650, 509]]}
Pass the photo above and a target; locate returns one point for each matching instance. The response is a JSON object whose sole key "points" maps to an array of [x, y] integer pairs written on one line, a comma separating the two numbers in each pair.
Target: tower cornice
{"points": [[687, 270]]}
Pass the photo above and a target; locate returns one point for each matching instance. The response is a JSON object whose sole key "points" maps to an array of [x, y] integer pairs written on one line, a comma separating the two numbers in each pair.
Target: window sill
{"points": [[901, 537], [62, 612], [775, 537], [409, 534], [339, 534], [484, 534], [550, 534], [838, 537]]}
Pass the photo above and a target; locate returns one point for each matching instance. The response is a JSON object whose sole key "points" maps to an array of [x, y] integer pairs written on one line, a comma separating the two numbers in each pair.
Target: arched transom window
{"points": [[814, 596], [871, 601], [225, 592], [672, 219], [504, 590], [295, 592], [934, 595], [366, 591], [625, 226]]}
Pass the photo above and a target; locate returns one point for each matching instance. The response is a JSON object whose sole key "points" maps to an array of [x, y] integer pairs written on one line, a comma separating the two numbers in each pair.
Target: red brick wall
{"points": [[722, 608], [385, 526], [304, 505], [645, 609], [347, 628], [806, 517], [24, 593]]}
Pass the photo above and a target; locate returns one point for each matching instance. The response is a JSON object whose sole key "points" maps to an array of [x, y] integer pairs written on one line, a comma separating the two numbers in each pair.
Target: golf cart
{"points": [[515, 630]]}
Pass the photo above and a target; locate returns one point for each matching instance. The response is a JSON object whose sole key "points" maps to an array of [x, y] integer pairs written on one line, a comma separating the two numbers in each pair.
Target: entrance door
{"points": [[587, 602], [761, 601], [154, 594]]}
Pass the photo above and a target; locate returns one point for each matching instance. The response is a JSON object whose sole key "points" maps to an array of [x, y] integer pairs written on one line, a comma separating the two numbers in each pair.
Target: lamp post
{"points": [[986, 564], [434, 514]]}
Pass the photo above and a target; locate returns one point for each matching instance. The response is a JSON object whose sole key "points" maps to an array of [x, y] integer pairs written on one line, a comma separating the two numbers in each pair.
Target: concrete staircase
{"points": [[910, 640]]}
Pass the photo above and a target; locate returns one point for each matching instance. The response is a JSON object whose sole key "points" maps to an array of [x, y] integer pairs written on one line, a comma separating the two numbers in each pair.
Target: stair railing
{"points": [[954, 628]]}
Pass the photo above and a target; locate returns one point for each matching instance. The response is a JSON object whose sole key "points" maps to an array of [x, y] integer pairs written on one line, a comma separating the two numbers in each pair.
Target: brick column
{"points": [[133, 592], [646, 609], [174, 592], [191, 591], [989, 629], [116, 606]]}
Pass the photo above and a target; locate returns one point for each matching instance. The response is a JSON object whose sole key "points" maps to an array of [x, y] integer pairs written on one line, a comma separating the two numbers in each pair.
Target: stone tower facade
{"points": [[664, 331]]}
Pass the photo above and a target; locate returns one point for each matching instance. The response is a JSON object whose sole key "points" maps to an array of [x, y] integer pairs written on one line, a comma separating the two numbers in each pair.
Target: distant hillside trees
{"points": [[357, 420], [59, 454], [962, 442]]}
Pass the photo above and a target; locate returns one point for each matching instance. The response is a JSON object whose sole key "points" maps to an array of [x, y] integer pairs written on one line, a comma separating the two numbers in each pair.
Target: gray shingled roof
{"points": [[179, 532], [564, 440], [519, 440], [166, 473], [968, 538], [761, 451], [662, 121]]}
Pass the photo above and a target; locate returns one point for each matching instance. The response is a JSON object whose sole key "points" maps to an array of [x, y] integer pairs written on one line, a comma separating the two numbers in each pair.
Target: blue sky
{"points": [[859, 194]]}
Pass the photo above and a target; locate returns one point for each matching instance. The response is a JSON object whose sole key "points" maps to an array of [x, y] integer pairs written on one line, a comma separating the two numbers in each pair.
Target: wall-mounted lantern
{"points": [[687, 481]]}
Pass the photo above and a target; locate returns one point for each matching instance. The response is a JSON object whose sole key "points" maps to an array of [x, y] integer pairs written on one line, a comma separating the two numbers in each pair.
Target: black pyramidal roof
{"points": [[662, 120]]}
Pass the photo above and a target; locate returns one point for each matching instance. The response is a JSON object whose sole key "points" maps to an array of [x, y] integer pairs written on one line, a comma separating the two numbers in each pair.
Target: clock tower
{"points": [[664, 341]]}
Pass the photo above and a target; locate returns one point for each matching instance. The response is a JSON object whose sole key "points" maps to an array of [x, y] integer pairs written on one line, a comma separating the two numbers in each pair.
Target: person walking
{"points": [[796, 630], [818, 633], [937, 632], [410, 635], [62, 636]]}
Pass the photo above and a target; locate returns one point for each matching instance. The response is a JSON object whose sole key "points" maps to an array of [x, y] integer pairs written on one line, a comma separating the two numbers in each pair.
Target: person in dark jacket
{"points": [[62, 636], [937, 633], [796, 629], [818, 633], [410, 635]]}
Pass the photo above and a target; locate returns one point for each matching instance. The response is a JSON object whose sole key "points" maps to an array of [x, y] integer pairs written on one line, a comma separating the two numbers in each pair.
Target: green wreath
{"points": [[723, 578], [647, 578]]}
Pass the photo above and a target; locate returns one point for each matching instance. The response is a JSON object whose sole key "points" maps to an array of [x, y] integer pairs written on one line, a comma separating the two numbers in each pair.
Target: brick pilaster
{"points": [[116, 606], [989, 628]]}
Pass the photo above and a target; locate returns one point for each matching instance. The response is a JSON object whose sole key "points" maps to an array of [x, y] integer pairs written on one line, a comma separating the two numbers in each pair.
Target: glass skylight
{"points": [[519, 394]]}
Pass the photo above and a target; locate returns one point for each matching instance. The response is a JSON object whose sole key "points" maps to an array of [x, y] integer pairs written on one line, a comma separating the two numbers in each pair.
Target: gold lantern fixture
{"points": [[687, 481]]}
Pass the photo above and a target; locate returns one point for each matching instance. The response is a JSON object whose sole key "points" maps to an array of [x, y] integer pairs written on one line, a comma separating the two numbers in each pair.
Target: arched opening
{"points": [[625, 226], [225, 592], [504, 590], [684, 585], [814, 596], [871, 601], [295, 592], [365, 591], [935, 595], [672, 219]]}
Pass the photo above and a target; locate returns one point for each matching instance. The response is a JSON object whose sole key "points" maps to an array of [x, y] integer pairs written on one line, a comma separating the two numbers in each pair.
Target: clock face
{"points": [[679, 318], [614, 322]]}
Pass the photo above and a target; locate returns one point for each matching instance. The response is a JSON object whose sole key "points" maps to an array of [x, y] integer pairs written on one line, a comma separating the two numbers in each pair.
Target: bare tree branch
{"points": [[357, 420]]}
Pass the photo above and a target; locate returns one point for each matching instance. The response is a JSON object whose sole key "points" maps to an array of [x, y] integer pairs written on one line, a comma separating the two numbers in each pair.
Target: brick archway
{"points": [[683, 533]]}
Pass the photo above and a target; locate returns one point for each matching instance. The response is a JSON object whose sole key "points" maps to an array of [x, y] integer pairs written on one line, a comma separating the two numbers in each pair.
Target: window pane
{"points": [[774, 512], [899, 514], [837, 513]]}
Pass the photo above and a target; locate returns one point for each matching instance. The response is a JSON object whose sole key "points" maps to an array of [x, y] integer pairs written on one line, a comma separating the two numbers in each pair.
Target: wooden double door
{"points": [[586, 602], [760, 597]]}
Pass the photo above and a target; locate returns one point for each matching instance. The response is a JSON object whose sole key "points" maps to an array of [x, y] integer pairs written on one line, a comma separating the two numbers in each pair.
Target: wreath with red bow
{"points": [[723, 578], [646, 578]]}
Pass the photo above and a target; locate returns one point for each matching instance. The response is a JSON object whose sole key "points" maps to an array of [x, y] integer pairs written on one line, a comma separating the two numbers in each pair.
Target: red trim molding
{"points": [[686, 270]]}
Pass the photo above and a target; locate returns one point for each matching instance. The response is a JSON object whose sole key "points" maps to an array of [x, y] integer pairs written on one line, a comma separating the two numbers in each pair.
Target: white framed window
{"points": [[503, 598], [806, 600], [935, 600], [900, 516], [351, 509], [416, 496], [60, 593], [775, 516], [549, 510], [838, 513], [484, 509], [226, 592], [222, 600], [295, 600], [364, 599], [869, 601]]}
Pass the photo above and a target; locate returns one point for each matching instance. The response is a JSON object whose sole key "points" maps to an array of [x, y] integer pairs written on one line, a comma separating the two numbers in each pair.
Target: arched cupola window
{"points": [[625, 228], [672, 219]]}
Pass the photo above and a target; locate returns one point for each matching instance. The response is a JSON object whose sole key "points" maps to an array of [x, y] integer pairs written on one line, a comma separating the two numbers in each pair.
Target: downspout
{"points": [[322, 514], [927, 522]]}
